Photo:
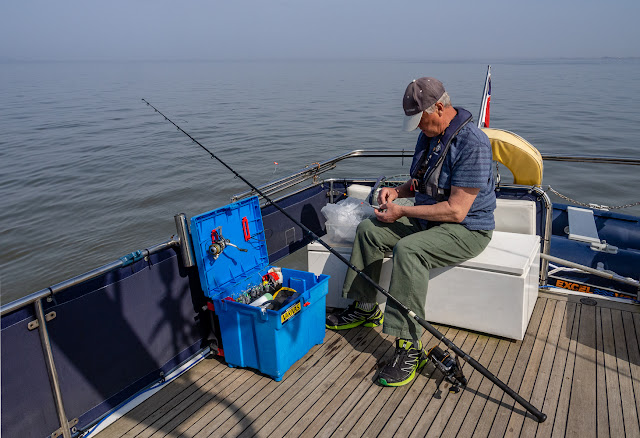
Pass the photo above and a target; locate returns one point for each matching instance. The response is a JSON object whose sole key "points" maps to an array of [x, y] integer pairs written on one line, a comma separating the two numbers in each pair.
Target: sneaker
{"points": [[353, 316], [402, 368]]}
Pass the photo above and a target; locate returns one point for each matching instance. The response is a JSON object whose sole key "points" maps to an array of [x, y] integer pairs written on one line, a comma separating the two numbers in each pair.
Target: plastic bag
{"points": [[343, 218]]}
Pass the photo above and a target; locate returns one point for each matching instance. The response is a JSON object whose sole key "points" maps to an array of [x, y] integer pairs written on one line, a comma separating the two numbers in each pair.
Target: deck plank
{"points": [[515, 351], [335, 404], [482, 395], [365, 390], [634, 357], [557, 376], [209, 405], [174, 418], [402, 398], [172, 394], [466, 343], [279, 392], [614, 401], [213, 424], [629, 413], [581, 419], [562, 410], [201, 424], [509, 423], [580, 364], [601, 382], [167, 412], [315, 395], [452, 403], [468, 395], [355, 398], [426, 391], [295, 395], [542, 377], [528, 359]]}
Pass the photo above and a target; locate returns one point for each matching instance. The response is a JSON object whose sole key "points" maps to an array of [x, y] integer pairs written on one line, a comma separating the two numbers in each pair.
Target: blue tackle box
{"points": [[267, 340]]}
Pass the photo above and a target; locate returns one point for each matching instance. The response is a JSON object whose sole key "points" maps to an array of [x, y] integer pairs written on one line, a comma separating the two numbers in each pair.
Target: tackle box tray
{"points": [[267, 340]]}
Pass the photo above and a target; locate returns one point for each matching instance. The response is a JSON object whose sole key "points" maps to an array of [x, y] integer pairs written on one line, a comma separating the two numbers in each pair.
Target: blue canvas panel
{"points": [[114, 338], [28, 407], [283, 236]]}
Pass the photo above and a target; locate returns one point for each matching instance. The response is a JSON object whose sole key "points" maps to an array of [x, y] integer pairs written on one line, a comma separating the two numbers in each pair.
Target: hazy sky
{"points": [[223, 29]]}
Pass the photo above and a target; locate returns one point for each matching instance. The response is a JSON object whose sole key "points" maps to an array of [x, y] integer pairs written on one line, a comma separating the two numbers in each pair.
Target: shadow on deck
{"points": [[579, 364]]}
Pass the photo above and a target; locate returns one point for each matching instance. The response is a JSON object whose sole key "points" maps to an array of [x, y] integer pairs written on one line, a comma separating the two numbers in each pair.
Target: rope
{"points": [[603, 207]]}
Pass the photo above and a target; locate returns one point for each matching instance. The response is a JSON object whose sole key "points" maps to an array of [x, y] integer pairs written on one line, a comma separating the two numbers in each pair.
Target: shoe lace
{"points": [[407, 357], [351, 313]]}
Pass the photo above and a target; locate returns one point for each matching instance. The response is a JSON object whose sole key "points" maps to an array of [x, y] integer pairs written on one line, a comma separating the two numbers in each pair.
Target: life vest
{"points": [[426, 171]]}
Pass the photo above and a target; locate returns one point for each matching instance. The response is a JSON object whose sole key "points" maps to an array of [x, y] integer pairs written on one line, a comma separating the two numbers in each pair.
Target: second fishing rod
{"points": [[539, 416]]}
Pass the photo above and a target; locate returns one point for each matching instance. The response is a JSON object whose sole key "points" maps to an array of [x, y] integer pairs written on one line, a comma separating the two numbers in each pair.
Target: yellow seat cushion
{"points": [[521, 158]]}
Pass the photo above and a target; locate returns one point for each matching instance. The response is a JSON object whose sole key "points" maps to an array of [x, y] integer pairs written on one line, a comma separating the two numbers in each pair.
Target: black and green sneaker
{"points": [[406, 362], [353, 316]]}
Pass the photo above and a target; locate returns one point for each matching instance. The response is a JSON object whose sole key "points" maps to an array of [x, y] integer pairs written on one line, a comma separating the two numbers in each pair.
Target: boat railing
{"points": [[593, 159], [312, 171], [94, 273], [42, 319]]}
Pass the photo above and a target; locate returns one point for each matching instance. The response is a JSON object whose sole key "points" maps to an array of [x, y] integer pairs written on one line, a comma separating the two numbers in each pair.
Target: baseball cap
{"points": [[420, 95]]}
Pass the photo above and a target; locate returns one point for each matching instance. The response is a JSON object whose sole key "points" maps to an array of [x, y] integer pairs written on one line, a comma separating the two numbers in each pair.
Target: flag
{"points": [[483, 119], [487, 105]]}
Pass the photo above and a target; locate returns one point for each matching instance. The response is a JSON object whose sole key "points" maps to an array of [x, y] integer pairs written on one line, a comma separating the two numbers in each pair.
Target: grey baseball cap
{"points": [[420, 95]]}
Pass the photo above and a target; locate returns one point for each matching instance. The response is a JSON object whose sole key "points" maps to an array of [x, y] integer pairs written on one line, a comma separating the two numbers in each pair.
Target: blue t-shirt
{"points": [[468, 164]]}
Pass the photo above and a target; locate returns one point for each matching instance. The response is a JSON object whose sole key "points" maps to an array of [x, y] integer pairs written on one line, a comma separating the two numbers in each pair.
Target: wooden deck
{"points": [[579, 363]]}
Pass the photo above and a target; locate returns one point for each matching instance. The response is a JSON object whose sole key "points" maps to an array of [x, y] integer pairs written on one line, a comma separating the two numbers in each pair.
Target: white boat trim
{"points": [[146, 393]]}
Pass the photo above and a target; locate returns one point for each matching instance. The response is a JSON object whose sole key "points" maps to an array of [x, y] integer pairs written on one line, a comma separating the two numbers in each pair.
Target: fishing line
{"points": [[539, 416]]}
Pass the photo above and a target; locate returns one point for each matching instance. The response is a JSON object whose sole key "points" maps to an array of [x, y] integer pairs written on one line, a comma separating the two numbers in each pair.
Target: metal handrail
{"points": [[593, 159], [59, 287], [312, 171]]}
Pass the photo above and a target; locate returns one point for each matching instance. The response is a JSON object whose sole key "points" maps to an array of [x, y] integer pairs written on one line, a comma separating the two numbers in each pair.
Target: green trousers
{"points": [[415, 252]]}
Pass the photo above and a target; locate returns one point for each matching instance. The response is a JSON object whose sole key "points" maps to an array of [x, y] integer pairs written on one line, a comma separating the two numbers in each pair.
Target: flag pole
{"points": [[483, 104]]}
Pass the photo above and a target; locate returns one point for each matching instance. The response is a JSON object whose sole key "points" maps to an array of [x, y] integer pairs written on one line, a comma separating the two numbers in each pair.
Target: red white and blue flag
{"points": [[485, 113]]}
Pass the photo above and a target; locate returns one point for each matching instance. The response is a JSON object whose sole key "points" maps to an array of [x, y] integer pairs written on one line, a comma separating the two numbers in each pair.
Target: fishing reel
{"points": [[449, 366], [219, 243]]}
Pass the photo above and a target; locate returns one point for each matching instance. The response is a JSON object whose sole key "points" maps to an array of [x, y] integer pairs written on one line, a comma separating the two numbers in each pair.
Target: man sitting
{"points": [[451, 221]]}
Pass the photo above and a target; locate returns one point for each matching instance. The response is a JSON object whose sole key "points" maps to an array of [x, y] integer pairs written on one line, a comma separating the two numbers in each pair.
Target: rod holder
{"points": [[186, 249]]}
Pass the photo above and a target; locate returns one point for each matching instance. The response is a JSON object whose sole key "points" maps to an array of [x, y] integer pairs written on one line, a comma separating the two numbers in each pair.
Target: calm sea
{"points": [[88, 173]]}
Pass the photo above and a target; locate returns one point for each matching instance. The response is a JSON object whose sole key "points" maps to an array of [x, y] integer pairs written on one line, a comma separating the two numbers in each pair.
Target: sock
{"points": [[367, 307]]}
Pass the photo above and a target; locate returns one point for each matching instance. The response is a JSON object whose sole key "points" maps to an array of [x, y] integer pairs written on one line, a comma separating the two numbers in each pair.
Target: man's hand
{"points": [[386, 195], [389, 212], [453, 210]]}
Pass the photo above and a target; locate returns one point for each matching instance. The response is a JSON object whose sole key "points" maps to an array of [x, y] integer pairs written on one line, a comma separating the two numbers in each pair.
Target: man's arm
{"points": [[454, 209]]}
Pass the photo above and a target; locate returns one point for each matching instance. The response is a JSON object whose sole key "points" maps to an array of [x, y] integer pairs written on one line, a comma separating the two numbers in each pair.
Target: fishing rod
{"points": [[539, 416]]}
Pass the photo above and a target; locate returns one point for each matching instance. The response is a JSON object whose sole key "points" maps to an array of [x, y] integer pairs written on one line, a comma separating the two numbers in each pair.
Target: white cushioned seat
{"points": [[493, 293]]}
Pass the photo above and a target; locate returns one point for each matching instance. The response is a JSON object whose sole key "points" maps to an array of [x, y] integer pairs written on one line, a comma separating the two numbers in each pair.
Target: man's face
{"points": [[431, 124]]}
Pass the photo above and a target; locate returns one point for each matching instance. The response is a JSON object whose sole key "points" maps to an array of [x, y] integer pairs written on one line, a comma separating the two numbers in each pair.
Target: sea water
{"points": [[89, 173]]}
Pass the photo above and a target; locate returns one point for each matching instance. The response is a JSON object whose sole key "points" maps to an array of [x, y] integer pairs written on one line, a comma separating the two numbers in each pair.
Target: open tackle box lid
{"points": [[241, 224]]}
